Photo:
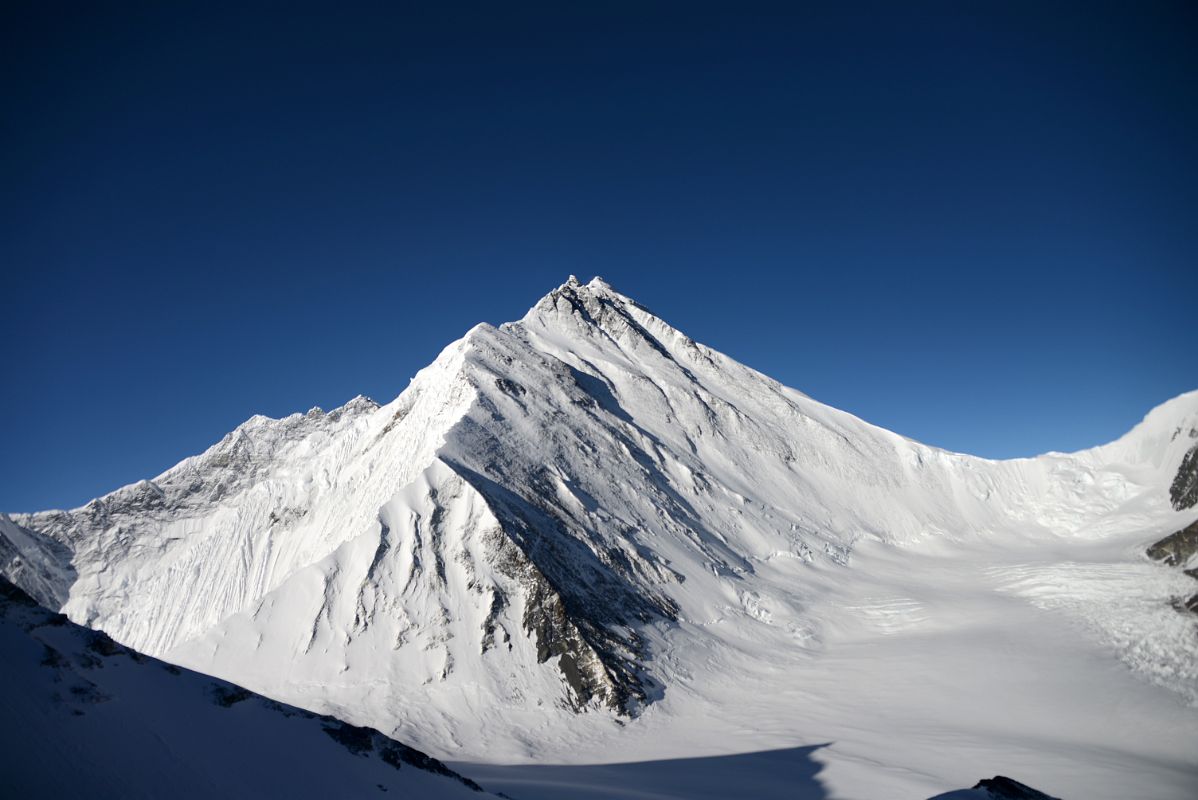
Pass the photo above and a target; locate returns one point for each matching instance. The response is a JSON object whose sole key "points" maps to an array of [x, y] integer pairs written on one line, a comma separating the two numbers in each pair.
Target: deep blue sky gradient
{"points": [[972, 223]]}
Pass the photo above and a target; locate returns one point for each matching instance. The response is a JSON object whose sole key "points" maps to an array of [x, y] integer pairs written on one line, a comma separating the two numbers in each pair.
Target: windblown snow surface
{"points": [[585, 539]]}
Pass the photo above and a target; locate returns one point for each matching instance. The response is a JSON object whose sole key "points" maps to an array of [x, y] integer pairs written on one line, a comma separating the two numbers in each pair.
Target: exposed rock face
{"points": [[577, 607], [1189, 604], [1184, 490], [1177, 548]]}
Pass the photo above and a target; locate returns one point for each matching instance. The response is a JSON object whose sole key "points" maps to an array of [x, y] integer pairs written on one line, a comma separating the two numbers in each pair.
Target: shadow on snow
{"points": [[767, 775]]}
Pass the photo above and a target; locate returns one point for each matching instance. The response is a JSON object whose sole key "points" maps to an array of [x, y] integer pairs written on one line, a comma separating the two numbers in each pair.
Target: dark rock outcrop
{"points": [[1003, 788], [1184, 490], [999, 787], [1189, 604], [578, 609], [366, 741], [1177, 548]]}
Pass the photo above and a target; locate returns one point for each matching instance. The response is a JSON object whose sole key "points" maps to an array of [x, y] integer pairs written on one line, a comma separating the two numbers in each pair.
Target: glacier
{"points": [[583, 537]]}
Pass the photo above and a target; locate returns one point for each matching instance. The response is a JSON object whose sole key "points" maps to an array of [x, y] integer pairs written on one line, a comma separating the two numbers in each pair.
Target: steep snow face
{"points": [[586, 510], [162, 561], [86, 717], [38, 563]]}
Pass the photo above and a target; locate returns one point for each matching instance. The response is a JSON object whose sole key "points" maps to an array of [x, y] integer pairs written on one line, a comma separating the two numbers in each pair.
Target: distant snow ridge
{"points": [[586, 510]]}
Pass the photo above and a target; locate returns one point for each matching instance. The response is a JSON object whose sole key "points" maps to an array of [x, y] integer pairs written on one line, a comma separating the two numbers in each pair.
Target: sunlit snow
{"points": [[583, 538]]}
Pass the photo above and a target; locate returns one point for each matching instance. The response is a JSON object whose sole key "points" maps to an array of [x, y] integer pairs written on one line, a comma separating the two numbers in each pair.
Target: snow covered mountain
{"points": [[86, 717], [583, 536]]}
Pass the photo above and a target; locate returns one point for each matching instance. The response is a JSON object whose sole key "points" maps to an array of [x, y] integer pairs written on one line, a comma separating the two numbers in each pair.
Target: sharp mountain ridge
{"points": [[568, 521]]}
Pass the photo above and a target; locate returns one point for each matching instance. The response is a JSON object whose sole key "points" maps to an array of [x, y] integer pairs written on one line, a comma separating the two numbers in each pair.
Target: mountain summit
{"points": [[584, 535]]}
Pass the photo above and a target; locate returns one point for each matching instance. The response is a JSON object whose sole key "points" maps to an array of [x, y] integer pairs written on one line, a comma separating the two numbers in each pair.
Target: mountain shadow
{"points": [[788, 774]]}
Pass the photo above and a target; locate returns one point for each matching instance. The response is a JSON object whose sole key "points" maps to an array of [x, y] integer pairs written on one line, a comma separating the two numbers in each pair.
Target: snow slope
{"points": [[584, 537], [86, 717]]}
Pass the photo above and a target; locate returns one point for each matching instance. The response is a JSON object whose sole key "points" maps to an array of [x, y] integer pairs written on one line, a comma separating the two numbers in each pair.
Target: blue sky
{"points": [[972, 223]]}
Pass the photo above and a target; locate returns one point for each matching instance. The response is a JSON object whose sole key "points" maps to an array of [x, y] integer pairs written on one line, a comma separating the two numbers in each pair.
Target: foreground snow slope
{"points": [[85, 717], [587, 511]]}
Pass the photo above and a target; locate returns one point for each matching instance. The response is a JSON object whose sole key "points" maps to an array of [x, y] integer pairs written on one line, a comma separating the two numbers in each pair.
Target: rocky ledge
{"points": [[1178, 549]]}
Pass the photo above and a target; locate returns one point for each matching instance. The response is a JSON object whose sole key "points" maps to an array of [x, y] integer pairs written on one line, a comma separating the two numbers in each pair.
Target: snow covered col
{"points": [[584, 536]]}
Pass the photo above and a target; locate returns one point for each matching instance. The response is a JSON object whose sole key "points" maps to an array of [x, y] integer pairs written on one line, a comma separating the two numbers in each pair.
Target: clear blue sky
{"points": [[973, 223]]}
